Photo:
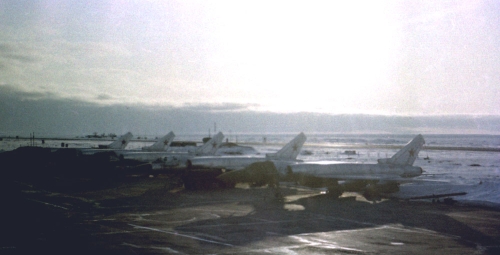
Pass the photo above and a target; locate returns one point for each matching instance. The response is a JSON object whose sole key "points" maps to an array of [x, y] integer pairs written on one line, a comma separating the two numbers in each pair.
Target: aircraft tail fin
{"points": [[161, 144], [291, 150], [121, 142], [408, 154], [210, 147]]}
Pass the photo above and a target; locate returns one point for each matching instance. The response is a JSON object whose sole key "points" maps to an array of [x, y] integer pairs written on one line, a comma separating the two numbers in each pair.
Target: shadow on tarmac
{"points": [[322, 214]]}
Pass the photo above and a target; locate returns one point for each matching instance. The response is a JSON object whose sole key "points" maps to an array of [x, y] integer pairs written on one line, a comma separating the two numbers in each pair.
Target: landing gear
{"points": [[278, 195], [275, 186]]}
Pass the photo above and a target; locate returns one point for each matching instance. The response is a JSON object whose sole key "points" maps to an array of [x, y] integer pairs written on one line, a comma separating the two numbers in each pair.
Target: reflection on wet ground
{"points": [[148, 216]]}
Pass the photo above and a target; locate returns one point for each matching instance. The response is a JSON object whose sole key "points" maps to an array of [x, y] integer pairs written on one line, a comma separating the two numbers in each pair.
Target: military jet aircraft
{"points": [[161, 144], [287, 155], [369, 179]]}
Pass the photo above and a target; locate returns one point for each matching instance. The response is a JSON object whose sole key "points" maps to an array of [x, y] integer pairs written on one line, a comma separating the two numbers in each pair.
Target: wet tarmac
{"points": [[153, 216]]}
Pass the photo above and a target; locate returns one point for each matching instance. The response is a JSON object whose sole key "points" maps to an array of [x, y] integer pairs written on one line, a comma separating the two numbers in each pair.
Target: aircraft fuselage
{"points": [[356, 171], [235, 163], [232, 163]]}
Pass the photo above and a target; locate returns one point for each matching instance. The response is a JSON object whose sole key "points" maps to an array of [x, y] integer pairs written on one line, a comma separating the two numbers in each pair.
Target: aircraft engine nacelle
{"points": [[356, 185], [258, 174], [373, 191], [384, 161], [412, 171]]}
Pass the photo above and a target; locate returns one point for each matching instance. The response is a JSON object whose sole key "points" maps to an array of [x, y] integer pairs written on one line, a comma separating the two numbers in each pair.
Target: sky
{"points": [[385, 58]]}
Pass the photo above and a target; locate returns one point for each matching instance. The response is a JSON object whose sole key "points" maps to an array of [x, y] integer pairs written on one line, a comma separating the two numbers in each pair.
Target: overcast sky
{"points": [[408, 58]]}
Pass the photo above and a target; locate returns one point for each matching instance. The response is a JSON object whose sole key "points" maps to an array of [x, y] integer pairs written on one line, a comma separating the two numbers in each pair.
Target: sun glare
{"points": [[306, 57]]}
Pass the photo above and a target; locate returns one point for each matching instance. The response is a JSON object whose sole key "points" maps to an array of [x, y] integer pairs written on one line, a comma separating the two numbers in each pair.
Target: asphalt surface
{"points": [[157, 216]]}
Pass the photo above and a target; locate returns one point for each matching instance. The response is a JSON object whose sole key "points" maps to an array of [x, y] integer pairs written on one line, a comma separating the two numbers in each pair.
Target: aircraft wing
{"points": [[379, 177]]}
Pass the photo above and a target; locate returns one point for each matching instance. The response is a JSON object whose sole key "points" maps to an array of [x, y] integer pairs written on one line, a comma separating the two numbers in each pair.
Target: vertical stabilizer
{"points": [[291, 150], [408, 154], [210, 147], [121, 142], [162, 143]]}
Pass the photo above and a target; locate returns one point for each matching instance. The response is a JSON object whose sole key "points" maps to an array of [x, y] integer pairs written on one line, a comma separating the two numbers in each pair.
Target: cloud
{"points": [[16, 93], [15, 59], [68, 70], [12, 52], [104, 97], [436, 58], [25, 112], [217, 107]]}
